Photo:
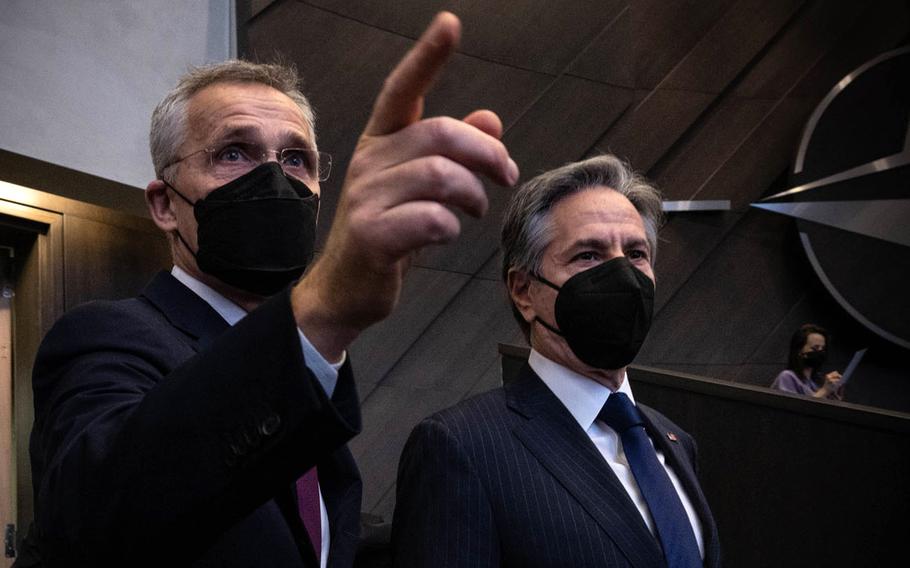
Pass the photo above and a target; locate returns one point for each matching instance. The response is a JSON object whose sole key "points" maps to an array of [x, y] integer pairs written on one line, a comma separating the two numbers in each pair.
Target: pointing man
{"points": [[204, 423]]}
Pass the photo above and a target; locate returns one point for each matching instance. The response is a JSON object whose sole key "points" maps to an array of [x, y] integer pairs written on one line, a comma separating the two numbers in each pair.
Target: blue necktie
{"points": [[673, 528]]}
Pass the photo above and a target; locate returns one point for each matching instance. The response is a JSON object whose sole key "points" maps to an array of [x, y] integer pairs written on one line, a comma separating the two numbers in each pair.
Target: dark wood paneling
{"points": [[664, 32], [490, 380], [564, 123], [730, 46], [492, 268], [708, 145], [107, 262], [610, 58], [803, 470], [692, 85], [425, 294], [817, 31], [684, 243], [881, 27], [80, 188], [724, 319], [651, 128], [540, 35], [759, 159], [457, 349]]}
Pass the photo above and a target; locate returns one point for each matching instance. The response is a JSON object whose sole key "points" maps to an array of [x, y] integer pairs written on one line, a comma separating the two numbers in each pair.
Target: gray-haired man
{"points": [[539, 473], [165, 434]]}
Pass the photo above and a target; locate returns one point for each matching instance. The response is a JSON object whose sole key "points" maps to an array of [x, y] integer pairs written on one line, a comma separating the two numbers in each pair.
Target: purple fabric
{"points": [[308, 507], [787, 381]]}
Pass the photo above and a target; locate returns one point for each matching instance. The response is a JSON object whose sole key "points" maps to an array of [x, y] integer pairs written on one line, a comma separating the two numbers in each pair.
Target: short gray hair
{"points": [[169, 119], [526, 230]]}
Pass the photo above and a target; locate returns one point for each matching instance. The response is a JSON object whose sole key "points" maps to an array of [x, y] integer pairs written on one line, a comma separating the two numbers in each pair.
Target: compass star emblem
{"points": [[851, 194]]}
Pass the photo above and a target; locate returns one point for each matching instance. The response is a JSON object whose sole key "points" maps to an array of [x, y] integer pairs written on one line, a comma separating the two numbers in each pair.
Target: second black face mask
{"points": [[604, 313], [258, 232]]}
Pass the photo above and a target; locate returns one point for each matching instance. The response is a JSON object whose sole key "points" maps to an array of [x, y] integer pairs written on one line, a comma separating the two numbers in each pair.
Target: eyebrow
{"points": [[251, 133], [600, 243]]}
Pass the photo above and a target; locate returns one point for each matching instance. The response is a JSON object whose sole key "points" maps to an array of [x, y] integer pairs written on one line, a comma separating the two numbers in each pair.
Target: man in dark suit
{"points": [[559, 467], [204, 422]]}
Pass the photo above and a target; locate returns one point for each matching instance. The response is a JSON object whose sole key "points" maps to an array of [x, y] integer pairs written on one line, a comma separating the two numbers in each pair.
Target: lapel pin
{"points": [[672, 437]]}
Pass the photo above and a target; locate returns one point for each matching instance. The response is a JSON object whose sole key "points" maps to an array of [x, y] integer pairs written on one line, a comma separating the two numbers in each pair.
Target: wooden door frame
{"points": [[37, 236]]}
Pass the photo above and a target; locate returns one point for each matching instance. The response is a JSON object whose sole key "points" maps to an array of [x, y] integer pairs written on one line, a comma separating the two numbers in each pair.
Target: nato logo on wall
{"points": [[851, 194]]}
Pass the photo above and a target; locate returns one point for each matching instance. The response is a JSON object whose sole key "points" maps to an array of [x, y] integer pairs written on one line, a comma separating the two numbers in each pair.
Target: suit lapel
{"points": [[184, 309], [682, 464], [553, 436]]}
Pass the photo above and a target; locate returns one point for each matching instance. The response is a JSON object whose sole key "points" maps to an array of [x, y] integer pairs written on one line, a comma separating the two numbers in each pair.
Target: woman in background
{"points": [[808, 349]]}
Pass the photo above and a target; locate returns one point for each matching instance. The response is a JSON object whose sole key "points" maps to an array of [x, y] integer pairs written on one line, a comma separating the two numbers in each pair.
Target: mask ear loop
{"points": [[177, 231], [174, 189], [543, 280]]}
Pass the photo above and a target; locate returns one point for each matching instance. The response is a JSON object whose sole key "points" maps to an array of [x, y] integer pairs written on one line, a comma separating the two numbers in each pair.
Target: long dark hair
{"points": [[800, 336]]}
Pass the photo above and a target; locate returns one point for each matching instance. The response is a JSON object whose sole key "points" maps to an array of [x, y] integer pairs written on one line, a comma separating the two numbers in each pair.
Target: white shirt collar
{"points": [[582, 396], [231, 312]]}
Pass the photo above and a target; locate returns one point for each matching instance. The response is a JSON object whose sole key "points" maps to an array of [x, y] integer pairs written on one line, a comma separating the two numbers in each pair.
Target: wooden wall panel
{"points": [[109, 262], [540, 35], [459, 347], [665, 31], [726, 332], [426, 294], [606, 59]]}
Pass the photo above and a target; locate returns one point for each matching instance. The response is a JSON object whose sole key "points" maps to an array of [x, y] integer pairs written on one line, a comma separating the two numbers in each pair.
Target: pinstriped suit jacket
{"points": [[508, 478]]}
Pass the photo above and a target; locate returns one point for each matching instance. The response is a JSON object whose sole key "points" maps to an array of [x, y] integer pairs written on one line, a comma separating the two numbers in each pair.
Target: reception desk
{"points": [[792, 481]]}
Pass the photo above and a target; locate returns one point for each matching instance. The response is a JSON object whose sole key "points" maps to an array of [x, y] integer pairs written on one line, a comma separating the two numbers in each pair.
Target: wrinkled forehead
{"points": [[596, 207], [245, 110]]}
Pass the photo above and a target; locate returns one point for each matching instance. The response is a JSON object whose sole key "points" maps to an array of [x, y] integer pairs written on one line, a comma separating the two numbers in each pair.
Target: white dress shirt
{"points": [[326, 373], [584, 398]]}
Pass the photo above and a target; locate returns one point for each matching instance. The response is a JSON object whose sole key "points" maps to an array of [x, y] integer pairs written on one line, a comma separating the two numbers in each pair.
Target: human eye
{"points": [[637, 255], [233, 153], [585, 256], [297, 158], [298, 161]]}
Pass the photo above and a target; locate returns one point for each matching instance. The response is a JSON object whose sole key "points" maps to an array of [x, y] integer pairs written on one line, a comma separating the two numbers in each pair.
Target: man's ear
{"points": [[161, 207], [519, 284]]}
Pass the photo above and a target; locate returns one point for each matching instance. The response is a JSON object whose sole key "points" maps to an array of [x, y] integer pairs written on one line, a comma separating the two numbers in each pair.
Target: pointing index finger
{"points": [[400, 102]]}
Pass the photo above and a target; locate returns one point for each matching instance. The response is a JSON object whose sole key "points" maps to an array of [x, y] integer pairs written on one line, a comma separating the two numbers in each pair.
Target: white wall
{"points": [[79, 78]]}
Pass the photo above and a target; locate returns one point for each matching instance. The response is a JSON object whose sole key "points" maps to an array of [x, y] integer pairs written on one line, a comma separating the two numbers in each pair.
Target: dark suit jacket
{"points": [[508, 478], [164, 437]]}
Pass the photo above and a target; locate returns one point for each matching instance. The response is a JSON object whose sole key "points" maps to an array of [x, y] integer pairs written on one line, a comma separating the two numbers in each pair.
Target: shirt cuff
{"points": [[326, 373]]}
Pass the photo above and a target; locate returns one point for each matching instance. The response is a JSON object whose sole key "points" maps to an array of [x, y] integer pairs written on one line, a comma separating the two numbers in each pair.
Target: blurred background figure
{"points": [[808, 351]]}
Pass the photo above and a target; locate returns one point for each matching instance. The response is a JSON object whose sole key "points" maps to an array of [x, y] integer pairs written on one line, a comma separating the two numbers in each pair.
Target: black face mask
{"points": [[814, 359], [604, 313], [256, 233]]}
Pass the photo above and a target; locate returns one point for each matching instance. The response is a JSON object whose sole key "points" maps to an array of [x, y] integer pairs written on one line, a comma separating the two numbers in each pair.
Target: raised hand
{"points": [[405, 177]]}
